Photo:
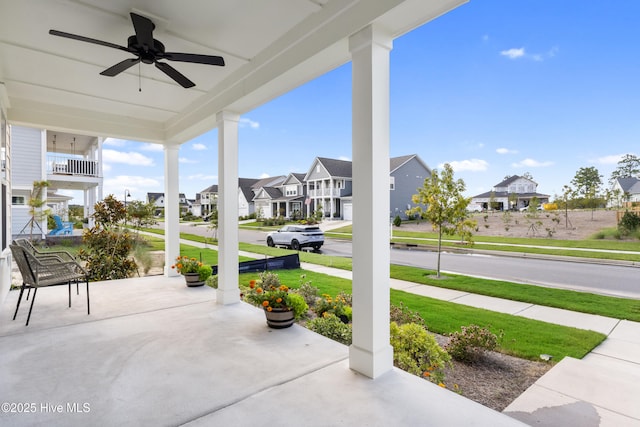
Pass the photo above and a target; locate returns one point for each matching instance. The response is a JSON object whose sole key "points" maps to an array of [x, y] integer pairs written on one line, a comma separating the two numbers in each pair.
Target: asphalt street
{"points": [[614, 280]]}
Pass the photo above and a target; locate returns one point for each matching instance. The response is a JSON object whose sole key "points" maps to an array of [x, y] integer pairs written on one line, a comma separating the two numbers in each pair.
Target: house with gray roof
{"points": [[329, 185], [628, 188], [513, 193], [287, 199]]}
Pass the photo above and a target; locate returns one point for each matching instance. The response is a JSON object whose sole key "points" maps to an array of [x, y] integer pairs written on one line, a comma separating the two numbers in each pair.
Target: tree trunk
{"points": [[439, 248]]}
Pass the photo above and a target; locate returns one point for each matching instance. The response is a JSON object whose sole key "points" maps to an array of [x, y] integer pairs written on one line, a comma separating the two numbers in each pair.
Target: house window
{"points": [[318, 168], [291, 190], [18, 200], [340, 184], [392, 182]]}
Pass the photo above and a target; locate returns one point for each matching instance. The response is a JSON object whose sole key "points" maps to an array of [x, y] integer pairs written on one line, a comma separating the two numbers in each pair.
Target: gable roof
{"points": [[344, 168], [629, 185], [246, 187], [335, 167], [396, 163], [272, 192], [511, 179]]}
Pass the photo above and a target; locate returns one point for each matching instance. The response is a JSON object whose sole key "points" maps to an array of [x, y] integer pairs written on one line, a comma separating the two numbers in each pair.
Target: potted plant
{"points": [[281, 307], [195, 272]]}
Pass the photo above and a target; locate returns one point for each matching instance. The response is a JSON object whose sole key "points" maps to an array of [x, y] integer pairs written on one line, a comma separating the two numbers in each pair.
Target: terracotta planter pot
{"points": [[279, 318], [193, 279]]}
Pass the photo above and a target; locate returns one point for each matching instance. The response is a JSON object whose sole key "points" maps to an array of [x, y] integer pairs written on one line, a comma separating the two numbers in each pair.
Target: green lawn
{"points": [[524, 338], [619, 308]]}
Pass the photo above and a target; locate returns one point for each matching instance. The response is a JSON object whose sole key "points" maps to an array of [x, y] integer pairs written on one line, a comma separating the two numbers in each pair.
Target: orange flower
{"points": [[279, 300], [265, 303], [259, 290], [427, 374], [269, 309]]}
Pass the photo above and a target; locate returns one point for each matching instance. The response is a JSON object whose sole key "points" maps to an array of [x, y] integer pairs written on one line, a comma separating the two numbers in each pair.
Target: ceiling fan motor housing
{"points": [[148, 56]]}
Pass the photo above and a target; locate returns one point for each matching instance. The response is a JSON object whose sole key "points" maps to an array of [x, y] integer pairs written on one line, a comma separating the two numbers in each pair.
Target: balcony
{"points": [[154, 352], [326, 192], [67, 165]]}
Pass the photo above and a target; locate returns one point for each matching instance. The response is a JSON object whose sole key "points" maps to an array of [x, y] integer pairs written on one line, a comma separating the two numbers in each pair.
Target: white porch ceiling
{"points": [[270, 47]]}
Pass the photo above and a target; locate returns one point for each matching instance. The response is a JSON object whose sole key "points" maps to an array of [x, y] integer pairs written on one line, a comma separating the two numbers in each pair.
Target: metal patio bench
{"points": [[37, 273]]}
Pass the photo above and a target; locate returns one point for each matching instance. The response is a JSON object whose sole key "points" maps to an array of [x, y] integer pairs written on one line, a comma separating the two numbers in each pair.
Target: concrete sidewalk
{"points": [[602, 389]]}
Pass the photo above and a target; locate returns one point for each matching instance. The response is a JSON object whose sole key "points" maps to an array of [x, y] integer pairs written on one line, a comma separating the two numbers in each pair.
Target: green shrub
{"points": [[297, 303], [397, 221], [308, 291], [108, 246], [212, 281], [416, 351], [204, 272], [332, 327], [402, 314], [629, 223], [470, 344]]}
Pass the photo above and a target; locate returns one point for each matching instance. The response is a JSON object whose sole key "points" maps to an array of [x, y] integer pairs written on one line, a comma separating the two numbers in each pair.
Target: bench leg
{"points": [[19, 299], [88, 306], [35, 290]]}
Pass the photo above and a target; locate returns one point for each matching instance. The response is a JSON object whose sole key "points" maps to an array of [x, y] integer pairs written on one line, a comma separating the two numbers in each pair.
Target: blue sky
{"points": [[494, 88]]}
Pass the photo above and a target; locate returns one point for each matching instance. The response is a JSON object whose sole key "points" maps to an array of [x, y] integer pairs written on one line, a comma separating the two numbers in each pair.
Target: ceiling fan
{"points": [[148, 50]]}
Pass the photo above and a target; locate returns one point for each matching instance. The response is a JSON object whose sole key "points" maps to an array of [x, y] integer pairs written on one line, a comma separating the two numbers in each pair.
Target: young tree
{"points": [[441, 202], [141, 213], [587, 183], [108, 245], [628, 166], [35, 203]]}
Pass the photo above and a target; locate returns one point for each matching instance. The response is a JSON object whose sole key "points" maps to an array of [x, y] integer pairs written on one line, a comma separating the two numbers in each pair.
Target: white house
{"points": [[514, 192], [67, 161], [628, 188]]}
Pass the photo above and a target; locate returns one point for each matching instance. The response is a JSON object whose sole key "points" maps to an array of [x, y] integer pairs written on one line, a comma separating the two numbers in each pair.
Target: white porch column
{"points": [[171, 208], [228, 290], [371, 353], [100, 172]]}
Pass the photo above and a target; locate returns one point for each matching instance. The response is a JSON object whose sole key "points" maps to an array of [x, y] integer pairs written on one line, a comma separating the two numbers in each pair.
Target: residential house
{"points": [[329, 185], [515, 192], [248, 188], [287, 199], [66, 161], [328, 181], [628, 188], [158, 201], [208, 199]]}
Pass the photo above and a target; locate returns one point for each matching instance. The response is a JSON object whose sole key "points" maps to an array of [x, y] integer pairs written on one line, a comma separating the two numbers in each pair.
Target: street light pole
{"points": [[126, 194]]}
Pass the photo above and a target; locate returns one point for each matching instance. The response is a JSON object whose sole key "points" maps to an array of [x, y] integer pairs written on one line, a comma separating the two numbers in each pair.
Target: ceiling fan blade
{"points": [[174, 74], [144, 30], [120, 67], [192, 57], [86, 39]]}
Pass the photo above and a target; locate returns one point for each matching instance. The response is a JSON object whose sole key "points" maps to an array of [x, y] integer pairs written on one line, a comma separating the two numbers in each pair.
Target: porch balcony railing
{"points": [[325, 192], [67, 165]]}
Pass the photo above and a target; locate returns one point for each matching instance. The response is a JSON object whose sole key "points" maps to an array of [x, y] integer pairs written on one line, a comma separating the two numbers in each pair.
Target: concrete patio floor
{"points": [[154, 352]]}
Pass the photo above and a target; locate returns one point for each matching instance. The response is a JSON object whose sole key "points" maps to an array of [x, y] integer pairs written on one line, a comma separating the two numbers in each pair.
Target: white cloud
{"points": [[128, 158], [248, 122], [503, 150], [114, 142], [138, 186], [345, 158], [148, 146], [611, 159], [485, 38], [184, 160], [199, 147], [531, 163], [264, 175], [513, 53], [473, 165]]}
